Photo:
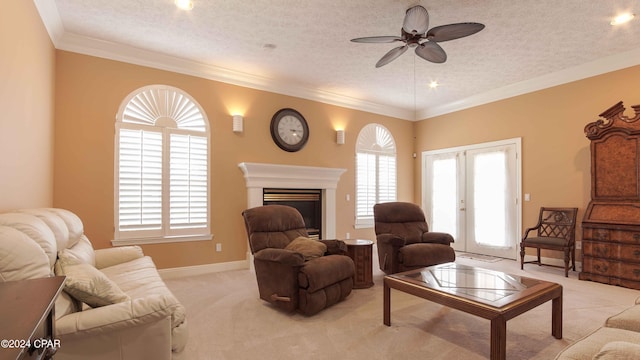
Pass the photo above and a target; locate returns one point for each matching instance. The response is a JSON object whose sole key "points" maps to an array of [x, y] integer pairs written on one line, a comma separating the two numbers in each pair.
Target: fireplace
{"points": [[307, 201], [272, 176]]}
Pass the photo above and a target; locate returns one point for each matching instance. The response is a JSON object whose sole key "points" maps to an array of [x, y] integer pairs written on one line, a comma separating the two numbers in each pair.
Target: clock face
{"points": [[289, 130]]}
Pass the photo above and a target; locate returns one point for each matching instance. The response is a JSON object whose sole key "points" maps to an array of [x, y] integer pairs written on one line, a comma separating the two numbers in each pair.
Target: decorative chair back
{"points": [[558, 223]]}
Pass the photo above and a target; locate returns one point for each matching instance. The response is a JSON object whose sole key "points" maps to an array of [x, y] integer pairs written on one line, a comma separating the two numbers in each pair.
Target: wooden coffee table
{"points": [[489, 294]]}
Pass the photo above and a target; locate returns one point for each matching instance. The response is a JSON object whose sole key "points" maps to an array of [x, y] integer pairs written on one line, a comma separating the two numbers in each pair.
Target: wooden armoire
{"points": [[611, 224]]}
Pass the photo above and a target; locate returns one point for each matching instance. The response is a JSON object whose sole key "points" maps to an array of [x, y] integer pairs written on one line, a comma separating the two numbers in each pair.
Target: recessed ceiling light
{"points": [[184, 4], [622, 18], [433, 84]]}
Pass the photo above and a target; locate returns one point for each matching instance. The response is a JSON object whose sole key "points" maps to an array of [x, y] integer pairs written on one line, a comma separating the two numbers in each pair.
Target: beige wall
{"points": [[555, 153], [76, 170], [89, 92], [26, 99]]}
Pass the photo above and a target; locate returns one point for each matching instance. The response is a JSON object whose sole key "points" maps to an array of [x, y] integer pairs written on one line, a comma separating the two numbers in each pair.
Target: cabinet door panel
{"points": [[614, 167]]}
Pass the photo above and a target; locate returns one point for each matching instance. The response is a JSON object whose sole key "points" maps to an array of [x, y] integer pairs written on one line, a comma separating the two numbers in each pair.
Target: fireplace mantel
{"points": [[290, 176], [259, 176]]}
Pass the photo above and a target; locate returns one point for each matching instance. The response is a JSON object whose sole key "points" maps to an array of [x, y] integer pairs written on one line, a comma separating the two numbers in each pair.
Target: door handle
{"points": [[462, 209]]}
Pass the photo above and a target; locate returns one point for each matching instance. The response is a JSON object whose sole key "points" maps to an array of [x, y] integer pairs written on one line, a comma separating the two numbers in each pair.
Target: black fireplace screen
{"points": [[307, 201]]}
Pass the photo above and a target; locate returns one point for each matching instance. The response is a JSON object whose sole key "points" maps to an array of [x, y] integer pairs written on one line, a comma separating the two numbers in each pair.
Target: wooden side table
{"points": [[28, 318], [361, 253]]}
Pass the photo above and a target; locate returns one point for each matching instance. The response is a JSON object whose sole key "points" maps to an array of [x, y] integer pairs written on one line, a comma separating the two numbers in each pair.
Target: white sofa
{"points": [[142, 320], [617, 339]]}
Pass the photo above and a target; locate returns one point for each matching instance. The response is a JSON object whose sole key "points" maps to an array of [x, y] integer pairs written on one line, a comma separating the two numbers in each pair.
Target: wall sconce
{"points": [[237, 123], [340, 137]]}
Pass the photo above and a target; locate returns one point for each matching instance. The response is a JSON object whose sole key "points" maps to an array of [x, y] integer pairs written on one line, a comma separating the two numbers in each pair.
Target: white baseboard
{"points": [[175, 273]]}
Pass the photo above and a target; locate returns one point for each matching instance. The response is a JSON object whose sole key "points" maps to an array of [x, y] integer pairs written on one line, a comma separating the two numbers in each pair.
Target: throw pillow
{"points": [[87, 284], [309, 248]]}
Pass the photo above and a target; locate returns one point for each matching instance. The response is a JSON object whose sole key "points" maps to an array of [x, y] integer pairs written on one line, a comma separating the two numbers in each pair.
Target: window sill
{"points": [[161, 240]]}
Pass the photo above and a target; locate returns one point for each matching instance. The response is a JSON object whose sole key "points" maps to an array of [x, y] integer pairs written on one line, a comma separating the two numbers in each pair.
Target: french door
{"points": [[472, 193]]}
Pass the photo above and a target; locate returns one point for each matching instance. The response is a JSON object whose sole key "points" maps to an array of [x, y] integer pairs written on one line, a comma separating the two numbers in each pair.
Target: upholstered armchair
{"points": [[404, 241], [293, 271]]}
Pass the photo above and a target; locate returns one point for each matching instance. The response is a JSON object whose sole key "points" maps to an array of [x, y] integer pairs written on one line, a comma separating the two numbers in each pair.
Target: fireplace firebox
{"points": [[307, 201]]}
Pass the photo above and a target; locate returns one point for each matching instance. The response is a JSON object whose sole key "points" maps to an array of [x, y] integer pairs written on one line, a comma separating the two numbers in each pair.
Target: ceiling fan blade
{"points": [[453, 31], [416, 20], [377, 39], [431, 51], [391, 55]]}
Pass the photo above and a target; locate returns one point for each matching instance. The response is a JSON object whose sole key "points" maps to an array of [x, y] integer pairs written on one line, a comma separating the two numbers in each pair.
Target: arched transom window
{"points": [[161, 168], [375, 171]]}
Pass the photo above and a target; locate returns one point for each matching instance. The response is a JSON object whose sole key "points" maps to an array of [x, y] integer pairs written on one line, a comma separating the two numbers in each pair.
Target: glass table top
{"points": [[469, 282]]}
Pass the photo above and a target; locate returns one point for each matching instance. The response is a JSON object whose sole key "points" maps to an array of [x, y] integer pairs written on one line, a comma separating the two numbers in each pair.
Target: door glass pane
{"points": [[489, 199], [444, 196]]}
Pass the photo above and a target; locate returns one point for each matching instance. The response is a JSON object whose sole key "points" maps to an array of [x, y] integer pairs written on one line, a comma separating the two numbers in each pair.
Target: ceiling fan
{"points": [[415, 35]]}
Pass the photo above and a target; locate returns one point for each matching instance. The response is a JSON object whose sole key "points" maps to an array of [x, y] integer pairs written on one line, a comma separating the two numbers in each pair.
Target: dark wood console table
{"points": [[611, 224], [28, 318]]}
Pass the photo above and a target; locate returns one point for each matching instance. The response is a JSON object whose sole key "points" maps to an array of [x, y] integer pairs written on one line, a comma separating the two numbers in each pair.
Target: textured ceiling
{"points": [[302, 47]]}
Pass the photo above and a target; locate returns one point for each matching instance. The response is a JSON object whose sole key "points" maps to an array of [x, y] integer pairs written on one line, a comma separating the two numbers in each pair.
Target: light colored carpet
{"points": [[478, 257], [227, 320]]}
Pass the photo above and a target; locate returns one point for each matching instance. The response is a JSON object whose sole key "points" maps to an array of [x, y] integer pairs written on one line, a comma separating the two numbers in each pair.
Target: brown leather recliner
{"points": [[404, 241], [285, 278]]}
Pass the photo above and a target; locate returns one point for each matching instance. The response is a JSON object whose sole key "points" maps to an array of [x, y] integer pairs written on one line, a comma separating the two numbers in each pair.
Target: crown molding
{"points": [[124, 53], [64, 40], [51, 19], [590, 69]]}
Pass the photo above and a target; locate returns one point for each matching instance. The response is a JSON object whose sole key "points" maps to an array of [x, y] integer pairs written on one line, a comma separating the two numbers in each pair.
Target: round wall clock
{"points": [[289, 130]]}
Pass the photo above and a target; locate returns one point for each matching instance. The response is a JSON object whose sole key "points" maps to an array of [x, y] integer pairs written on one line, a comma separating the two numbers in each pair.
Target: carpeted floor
{"points": [[478, 257], [227, 320]]}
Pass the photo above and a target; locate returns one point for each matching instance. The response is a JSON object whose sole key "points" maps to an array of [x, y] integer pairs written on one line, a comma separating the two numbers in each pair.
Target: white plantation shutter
{"points": [[188, 182], [366, 185], [140, 184], [162, 168], [386, 178], [375, 171]]}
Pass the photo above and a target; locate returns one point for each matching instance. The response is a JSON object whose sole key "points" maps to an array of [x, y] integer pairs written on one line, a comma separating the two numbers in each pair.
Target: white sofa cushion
{"points": [[116, 255], [618, 350], [37, 230], [139, 278], [81, 252], [72, 221], [629, 319], [87, 284], [66, 304], [55, 223], [587, 347], [20, 257]]}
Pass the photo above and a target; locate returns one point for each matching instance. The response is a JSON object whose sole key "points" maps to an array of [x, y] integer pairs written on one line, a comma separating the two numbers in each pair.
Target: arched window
{"points": [[161, 168], [375, 171]]}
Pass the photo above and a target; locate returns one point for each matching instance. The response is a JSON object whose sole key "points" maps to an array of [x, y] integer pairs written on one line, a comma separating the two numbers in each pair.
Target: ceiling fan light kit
{"points": [[415, 34], [184, 4]]}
